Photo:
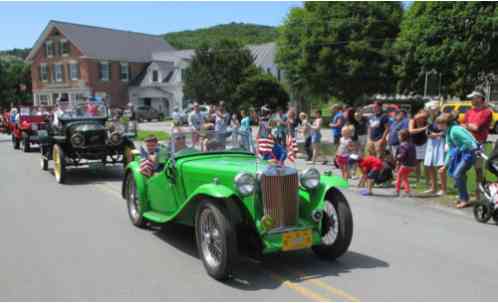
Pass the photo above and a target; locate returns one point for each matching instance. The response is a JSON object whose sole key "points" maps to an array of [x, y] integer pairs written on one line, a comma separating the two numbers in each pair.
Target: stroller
{"points": [[487, 207]]}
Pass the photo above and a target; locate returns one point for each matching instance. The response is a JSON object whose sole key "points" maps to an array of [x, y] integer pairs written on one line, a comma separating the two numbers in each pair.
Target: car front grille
{"points": [[280, 198], [95, 138]]}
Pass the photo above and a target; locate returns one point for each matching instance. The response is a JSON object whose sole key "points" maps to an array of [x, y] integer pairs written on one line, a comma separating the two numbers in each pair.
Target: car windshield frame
{"points": [[186, 142], [80, 111]]}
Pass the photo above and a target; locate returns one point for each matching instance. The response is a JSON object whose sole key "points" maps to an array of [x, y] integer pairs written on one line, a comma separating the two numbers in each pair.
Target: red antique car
{"points": [[25, 129]]}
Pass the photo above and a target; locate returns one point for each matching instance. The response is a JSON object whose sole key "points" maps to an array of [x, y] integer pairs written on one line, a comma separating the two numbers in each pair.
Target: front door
{"points": [[161, 193]]}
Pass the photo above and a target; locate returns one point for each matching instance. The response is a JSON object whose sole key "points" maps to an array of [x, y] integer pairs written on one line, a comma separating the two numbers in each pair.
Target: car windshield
{"points": [[82, 110], [183, 141]]}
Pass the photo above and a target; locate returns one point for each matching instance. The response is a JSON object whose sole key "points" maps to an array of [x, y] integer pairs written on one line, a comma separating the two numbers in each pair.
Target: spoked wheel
{"points": [[25, 145], [216, 239], [134, 209], [59, 164], [483, 212], [337, 228], [127, 156]]}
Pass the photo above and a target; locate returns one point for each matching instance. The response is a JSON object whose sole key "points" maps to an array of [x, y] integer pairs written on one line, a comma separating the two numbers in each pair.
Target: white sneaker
{"points": [[441, 193]]}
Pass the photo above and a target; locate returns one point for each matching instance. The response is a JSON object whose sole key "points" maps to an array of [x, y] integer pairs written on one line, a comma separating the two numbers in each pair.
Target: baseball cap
{"points": [[476, 93]]}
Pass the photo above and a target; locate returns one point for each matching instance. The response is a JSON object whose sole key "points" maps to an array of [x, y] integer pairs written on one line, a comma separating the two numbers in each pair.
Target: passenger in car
{"points": [[149, 163]]}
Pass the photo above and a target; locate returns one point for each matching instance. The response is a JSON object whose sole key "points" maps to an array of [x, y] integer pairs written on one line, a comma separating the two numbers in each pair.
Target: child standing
{"points": [[406, 156], [346, 147], [306, 131]]}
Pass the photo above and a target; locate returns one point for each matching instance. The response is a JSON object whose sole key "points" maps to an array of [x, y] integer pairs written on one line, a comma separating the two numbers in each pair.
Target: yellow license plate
{"points": [[296, 240]]}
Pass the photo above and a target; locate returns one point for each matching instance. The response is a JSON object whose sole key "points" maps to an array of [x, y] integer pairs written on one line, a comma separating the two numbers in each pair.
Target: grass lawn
{"points": [[142, 134]]}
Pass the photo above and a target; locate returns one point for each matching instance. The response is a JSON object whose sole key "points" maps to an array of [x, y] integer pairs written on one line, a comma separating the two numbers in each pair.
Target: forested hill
{"points": [[243, 32], [17, 52]]}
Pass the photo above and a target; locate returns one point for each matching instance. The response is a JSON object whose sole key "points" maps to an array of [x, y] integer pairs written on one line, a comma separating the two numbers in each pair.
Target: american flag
{"points": [[265, 145], [147, 167], [292, 148]]}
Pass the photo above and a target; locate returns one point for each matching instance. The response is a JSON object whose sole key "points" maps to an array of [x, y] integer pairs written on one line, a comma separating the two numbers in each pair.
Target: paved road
{"points": [[69, 242]]}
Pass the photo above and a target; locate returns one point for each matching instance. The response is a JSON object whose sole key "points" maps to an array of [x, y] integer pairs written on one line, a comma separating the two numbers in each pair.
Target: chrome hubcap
{"points": [[211, 243], [332, 221]]}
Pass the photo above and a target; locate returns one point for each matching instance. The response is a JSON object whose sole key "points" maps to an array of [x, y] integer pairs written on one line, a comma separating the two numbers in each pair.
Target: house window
{"points": [[58, 73], [43, 100], [49, 49], [104, 71], [44, 72], [155, 76], [124, 75], [64, 47], [74, 71]]}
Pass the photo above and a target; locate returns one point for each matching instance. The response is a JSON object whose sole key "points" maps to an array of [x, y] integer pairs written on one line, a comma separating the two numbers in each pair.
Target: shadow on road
{"points": [[86, 175], [273, 270]]}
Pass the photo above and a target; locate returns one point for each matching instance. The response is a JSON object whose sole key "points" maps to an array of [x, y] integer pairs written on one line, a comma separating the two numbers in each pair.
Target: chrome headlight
{"points": [[310, 178], [77, 140], [245, 184], [116, 138], [34, 126]]}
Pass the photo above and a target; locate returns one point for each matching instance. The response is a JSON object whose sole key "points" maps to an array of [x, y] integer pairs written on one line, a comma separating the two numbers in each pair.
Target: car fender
{"points": [[327, 183], [134, 168], [216, 191]]}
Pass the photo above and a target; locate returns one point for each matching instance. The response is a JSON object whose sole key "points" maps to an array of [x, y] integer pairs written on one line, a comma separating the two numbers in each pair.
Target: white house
{"points": [[161, 84]]}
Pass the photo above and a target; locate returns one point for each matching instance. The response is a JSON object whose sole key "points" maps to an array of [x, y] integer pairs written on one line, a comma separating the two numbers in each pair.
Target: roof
{"points": [[105, 43], [264, 54]]}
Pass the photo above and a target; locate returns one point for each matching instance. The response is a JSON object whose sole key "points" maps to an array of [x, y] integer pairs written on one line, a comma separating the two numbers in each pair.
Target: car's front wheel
{"points": [[216, 239], [483, 212], [132, 202], [337, 228], [59, 164]]}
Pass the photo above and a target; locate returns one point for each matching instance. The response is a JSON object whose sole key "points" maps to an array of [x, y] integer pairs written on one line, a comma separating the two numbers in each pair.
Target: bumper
{"points": [[306, 234]]}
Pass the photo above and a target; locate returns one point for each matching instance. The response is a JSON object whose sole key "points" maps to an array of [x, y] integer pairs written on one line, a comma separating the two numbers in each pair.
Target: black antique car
{"points": [[83, 135]]}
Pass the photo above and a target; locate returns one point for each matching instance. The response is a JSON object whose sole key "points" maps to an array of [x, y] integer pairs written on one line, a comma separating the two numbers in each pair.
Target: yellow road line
{"points": [[338, 292], [109, 190], [303, 291]]}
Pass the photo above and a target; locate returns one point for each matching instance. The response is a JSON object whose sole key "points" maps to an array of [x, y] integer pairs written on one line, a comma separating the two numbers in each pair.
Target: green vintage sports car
{"points": [[236, 202]]}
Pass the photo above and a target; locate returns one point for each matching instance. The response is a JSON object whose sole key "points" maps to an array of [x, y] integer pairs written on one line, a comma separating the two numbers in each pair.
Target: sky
{"points": [[22, 22]]}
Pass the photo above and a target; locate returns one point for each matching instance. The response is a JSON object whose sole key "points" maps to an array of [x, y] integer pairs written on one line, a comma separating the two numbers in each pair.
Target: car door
{"points": [[161, 191]]}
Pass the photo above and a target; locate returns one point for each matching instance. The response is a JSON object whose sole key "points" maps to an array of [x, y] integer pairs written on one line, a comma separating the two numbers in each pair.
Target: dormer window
{"points": [[64, 47], [49, 49], [155, 76]]}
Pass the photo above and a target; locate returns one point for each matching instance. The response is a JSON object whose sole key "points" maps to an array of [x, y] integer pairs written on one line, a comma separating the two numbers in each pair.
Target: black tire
{"points": [[219, 267], [482, 212], [339, 240], [43, 161], [15, 142], [495, 216], [132, 202], [25, 144], [59, 164]]}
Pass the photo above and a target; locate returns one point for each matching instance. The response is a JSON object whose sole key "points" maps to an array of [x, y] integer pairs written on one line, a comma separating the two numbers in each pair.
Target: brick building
{"points": [[73, 61]]}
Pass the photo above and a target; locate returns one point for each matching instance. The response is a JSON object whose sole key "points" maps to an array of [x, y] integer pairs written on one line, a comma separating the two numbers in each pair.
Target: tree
{"points": [[260, 89], [215, 73], [342, 49], [14, 73], [456, 39]]}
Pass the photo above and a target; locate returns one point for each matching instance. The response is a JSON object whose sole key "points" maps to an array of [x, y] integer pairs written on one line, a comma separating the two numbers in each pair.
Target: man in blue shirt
{"points": [[400, 122], [336, 123], [378, 128]]}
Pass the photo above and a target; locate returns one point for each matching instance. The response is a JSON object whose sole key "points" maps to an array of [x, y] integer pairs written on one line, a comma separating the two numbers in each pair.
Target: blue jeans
{"points": [[460, 175]]}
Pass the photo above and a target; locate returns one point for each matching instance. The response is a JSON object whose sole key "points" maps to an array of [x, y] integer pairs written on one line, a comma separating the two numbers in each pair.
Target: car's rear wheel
{"points": [[134, 210], [15, 142], [337, 228], [59, 164], [482, 212], [216, 239]]}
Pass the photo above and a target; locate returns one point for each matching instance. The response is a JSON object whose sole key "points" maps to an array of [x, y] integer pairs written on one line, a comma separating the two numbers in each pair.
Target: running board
{"points": [[155, 217]]}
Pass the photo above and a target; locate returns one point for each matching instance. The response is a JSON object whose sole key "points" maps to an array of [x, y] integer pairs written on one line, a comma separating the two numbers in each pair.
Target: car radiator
{"points": [[280, 199]]}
